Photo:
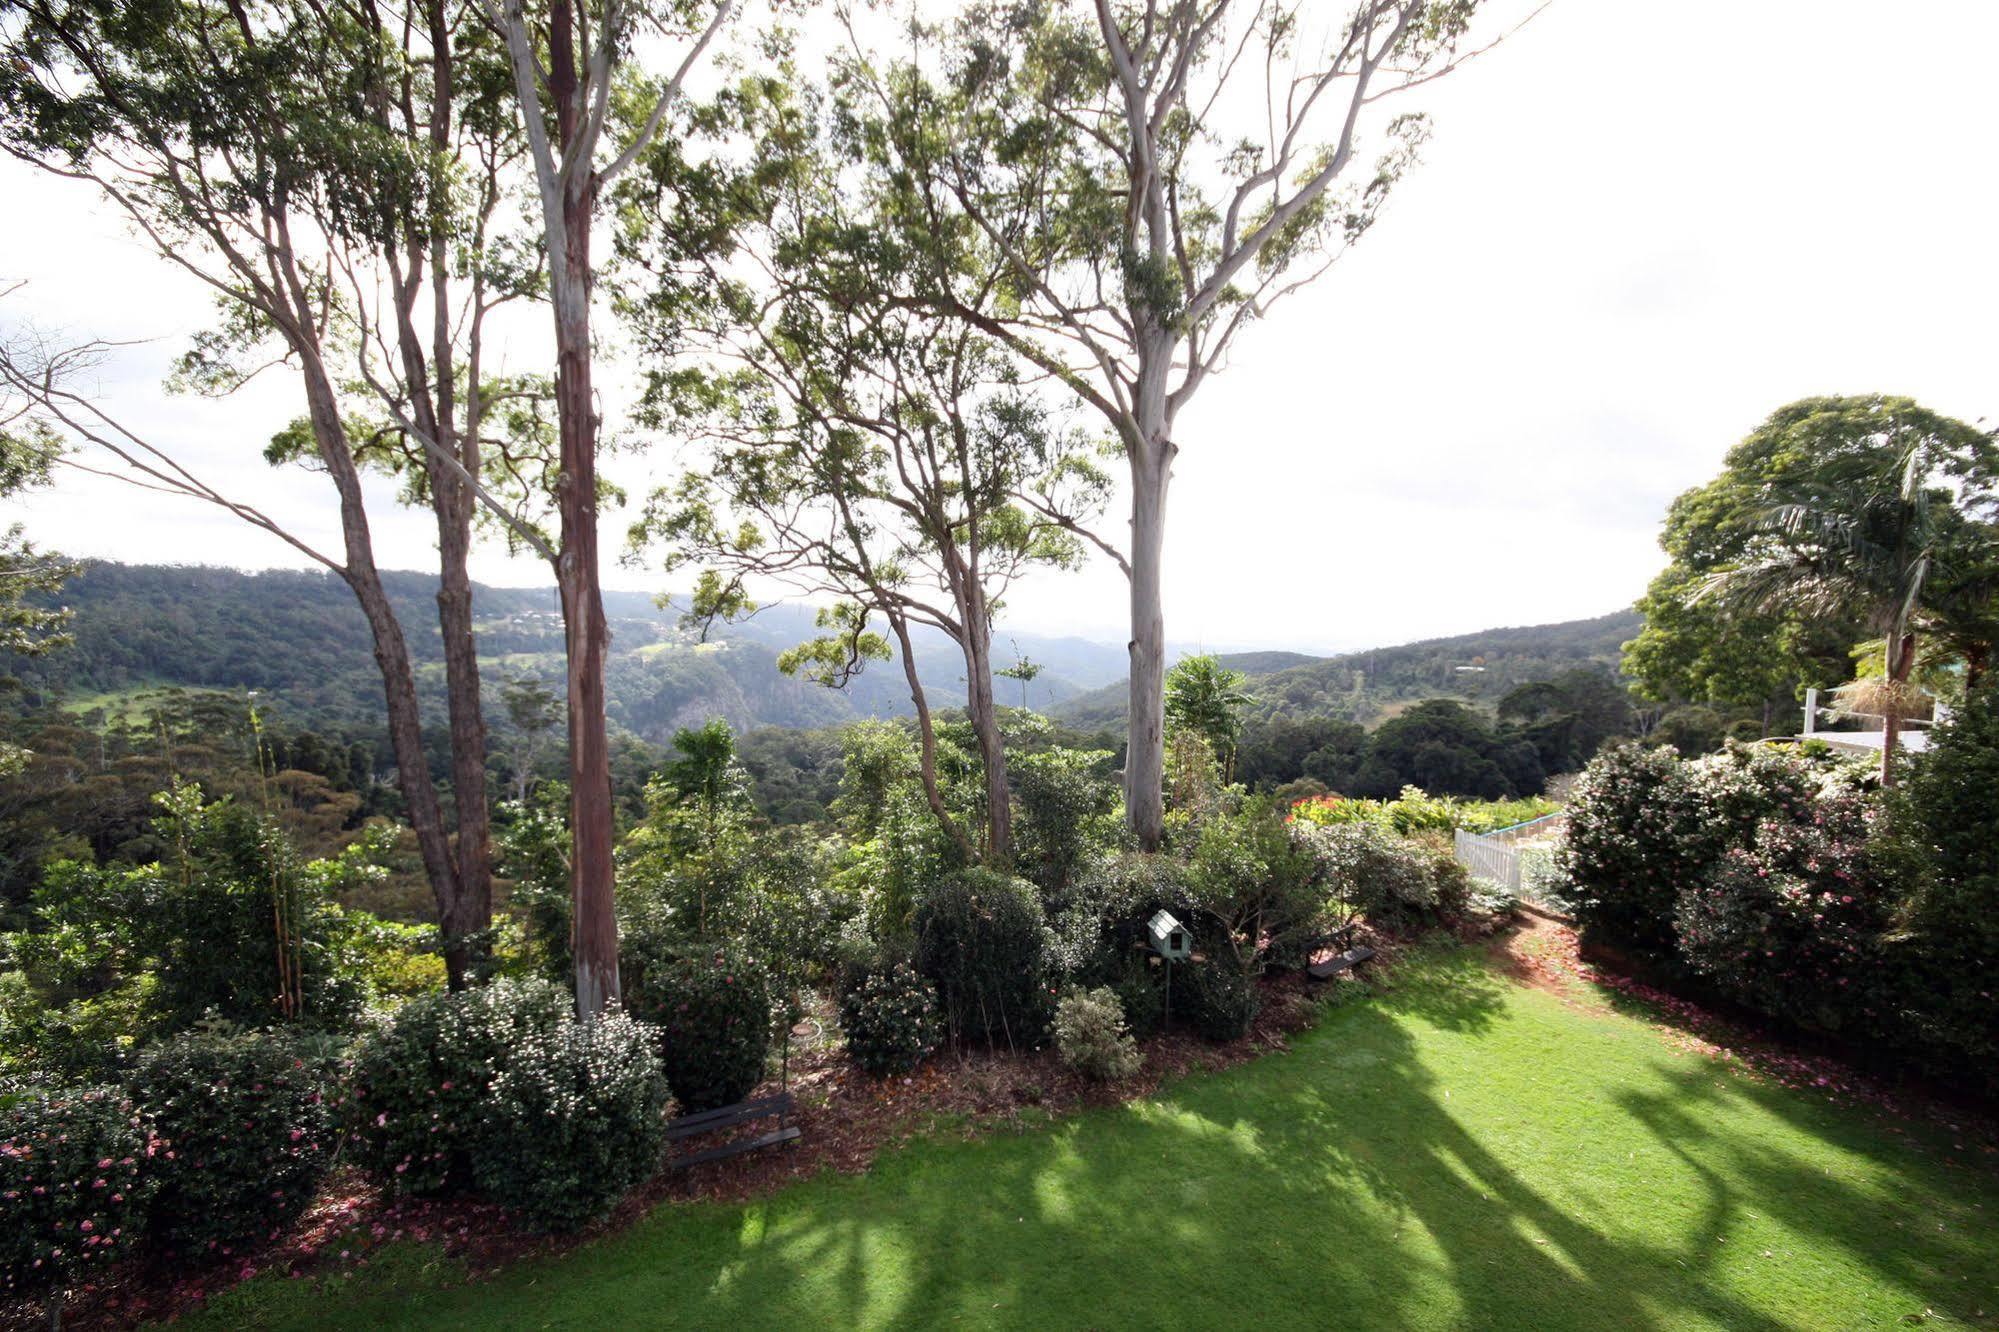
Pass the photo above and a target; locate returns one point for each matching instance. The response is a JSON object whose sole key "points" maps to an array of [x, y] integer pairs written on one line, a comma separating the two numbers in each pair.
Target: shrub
{"points": [[1140, 988], [890, 1018], [421, 1082], [712, 1008], [1093, 938], [1091, 1038], [1399, 885], [249, 1134], [1259, 887], [574, 1121], [1220, 1000], [979, 937], [1068, 816], [1792, 925], [1944, 842], [75, 1171], [1645, 826]]}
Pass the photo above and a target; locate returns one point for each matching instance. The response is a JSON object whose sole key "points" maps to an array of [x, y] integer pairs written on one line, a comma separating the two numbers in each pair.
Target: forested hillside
{"points": [[299, 640], [1366, 686]]}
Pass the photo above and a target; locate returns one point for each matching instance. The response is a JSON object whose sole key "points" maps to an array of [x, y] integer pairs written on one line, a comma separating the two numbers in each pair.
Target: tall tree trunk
{"points": [[1145, 749], [1901, 664], [587, 636], [926, 735], [984, 716], [421, 807]]}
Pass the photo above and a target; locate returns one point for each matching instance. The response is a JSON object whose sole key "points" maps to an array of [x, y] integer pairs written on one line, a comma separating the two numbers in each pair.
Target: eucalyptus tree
{"points": [[1154, 175], [863, 449], [1867, 508], [588, 115], [333, 174]]}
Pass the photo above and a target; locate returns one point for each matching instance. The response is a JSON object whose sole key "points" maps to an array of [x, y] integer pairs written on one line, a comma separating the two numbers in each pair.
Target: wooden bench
{"points": [[1348, 958], [777, 1106]]}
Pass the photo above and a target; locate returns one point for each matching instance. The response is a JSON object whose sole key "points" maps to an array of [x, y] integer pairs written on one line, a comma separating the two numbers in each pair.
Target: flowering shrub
{"points": [[1646, 826], [420, 1084], [1792, 924], [1417, 811], [575, 1120], [979, 937], [248, 1134], [890, 1017], [1091, 1038], [712, 1009], [74, 1176]]}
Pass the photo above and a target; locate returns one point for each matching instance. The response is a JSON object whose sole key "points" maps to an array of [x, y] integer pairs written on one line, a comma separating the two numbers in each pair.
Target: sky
{"points": [[1638, 228]]}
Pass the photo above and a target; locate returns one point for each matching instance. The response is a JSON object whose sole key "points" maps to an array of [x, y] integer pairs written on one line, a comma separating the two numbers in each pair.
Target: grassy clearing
{"points": [[1461, 1152]]}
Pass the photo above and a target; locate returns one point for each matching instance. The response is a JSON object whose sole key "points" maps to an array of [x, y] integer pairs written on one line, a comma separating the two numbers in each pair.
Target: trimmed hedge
{"points": [[890, 1019], [575, 1120]]}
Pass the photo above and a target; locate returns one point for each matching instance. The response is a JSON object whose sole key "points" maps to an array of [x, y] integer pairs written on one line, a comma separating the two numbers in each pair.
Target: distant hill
{"points": [[1365, 686], [299, 639]]}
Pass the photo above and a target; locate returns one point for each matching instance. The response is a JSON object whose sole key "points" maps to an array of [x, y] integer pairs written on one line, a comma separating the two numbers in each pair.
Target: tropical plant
{"points": [[1207, 698]]}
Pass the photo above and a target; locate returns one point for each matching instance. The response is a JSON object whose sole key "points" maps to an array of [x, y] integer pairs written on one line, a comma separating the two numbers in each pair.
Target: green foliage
{"points": [[75, 1177], [712, 1009], [1415, 810], [1645, 825], [891, 1021], [1399, 885], [421, 1083], [1091, 1036], [1258, 889], [1069, 814], [1442, 745], [231, 924], [1943, 847], [532, 851], [1221, 1001], [1793, 923], [249, 1134], [979, 937], [1207, 698], [574, 1120]]}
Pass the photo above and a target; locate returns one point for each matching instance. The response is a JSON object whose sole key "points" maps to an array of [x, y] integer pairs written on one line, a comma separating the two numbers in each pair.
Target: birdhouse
{"points": [[1170, 939]]}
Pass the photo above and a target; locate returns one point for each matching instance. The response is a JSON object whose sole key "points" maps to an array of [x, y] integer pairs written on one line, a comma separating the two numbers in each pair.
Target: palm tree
{"points": [[1867, 536]]}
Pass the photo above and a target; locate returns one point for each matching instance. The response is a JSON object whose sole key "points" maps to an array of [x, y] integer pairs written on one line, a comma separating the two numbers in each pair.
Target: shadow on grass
{"points": [[1377, 1176]]}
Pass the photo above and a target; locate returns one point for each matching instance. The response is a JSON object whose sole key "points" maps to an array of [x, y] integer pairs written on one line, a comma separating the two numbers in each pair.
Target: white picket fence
{"points": [[1486, 859], [1501, 856]]}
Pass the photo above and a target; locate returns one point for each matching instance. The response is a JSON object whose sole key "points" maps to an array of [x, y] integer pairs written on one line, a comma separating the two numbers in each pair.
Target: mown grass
{"points": [[1459, 1152]]}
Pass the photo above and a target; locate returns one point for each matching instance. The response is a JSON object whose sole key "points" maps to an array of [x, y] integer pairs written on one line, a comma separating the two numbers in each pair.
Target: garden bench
{"points": [[1349, 957], [777, 1106]]}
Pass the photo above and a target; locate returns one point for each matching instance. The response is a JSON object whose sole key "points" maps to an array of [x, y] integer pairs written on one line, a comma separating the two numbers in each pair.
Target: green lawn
{"points": [[1461, 1152]]}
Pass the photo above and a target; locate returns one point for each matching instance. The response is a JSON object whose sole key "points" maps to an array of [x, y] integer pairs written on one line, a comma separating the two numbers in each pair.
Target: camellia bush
{"points": [[1793, 924], [419, 1085], [249, 1133], [75, 1175], [574, 1121], [712, 1009], [890, 1018]]}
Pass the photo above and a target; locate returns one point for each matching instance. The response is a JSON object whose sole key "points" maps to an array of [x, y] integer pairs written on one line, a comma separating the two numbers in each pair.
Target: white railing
{"points": [[1497, 861]]}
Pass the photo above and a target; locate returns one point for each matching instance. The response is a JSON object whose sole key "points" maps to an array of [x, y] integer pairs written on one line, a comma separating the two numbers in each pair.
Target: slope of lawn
{"points": [[1459, 1152]]}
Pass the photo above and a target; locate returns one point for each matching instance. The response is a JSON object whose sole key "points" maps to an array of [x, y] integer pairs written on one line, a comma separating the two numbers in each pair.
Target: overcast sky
{"points": [[1639, 227]]}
